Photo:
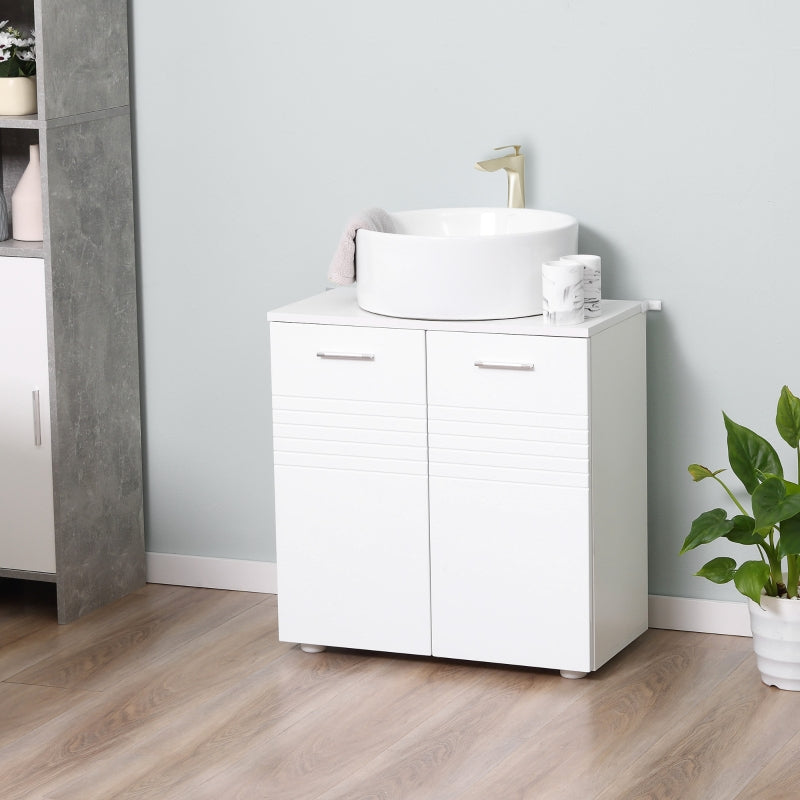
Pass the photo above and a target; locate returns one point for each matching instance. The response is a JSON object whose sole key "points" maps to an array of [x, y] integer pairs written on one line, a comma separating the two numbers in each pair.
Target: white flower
{"points": [[16, 47]]}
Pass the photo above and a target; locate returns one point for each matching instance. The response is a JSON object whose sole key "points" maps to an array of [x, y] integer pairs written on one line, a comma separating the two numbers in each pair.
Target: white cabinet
{"points": [[351, 486], [467, 490], [26, 472], [509, 499]]}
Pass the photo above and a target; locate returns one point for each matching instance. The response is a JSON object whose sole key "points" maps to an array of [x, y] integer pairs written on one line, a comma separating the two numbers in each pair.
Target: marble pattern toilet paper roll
{"points": [[562, 292], [591, 283]]}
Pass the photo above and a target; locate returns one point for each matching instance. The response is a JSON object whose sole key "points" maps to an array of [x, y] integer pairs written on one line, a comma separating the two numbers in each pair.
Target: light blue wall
{"points": [[668, 127]]}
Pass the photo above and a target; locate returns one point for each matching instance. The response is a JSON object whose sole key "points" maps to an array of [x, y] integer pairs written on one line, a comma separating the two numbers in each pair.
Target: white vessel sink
{"points": [[461, 263]]}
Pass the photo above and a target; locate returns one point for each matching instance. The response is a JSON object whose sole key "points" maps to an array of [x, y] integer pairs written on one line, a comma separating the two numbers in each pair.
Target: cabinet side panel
{"points": [[84, 50], [619, 485], [95, 365]]}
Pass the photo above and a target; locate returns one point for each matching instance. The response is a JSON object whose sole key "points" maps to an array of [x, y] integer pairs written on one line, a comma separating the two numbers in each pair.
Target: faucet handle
{"points": [[507, 146]]}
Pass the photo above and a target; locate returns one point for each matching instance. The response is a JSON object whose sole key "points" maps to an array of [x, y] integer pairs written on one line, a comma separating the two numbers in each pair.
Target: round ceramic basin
{"points": [[461, 263]]}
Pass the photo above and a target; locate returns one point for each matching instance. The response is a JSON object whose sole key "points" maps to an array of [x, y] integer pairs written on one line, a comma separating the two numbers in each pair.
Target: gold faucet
{"points": [[515, 169]]}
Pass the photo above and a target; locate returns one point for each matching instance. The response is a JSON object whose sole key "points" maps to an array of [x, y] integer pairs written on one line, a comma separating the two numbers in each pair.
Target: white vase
{"points": [[26, 202], [776, 640], [17, 96]]}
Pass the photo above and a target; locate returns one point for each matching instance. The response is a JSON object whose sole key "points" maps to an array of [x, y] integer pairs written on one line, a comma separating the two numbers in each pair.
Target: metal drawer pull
{"points": [[348, 356], [37, 420], [500, 365]]}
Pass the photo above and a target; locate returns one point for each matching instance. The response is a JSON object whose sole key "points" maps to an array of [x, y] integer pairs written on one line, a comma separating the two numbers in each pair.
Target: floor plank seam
{"points": [[51, 686]]}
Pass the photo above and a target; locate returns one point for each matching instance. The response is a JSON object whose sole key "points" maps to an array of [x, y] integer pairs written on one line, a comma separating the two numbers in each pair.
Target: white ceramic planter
{"points": [[17, 96], [776, 641]]}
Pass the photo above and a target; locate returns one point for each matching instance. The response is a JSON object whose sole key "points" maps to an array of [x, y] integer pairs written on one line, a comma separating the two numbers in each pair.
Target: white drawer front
{"points": [[343, 362], [517, 373]]}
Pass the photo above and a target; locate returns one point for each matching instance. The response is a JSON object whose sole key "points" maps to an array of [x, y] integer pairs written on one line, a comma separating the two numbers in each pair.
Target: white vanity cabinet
{"points": [[26, 472], [470, 490]]}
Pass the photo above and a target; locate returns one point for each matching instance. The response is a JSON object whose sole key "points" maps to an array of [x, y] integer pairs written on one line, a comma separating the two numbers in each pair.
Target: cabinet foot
{"points": [[312, 648], [572, 674]]}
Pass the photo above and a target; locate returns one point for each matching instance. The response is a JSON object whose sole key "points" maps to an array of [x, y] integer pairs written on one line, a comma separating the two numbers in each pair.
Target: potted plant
{"points": [[17, 72], [772, 528]]}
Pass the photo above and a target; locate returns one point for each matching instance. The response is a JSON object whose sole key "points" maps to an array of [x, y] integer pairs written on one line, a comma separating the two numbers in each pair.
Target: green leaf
{"points": [[788, 417], [771, 503], [789, 543], [791, 488], [698, 472], [743, 531], [749, 453], [708, 526], [750, 579], [718, 570]]}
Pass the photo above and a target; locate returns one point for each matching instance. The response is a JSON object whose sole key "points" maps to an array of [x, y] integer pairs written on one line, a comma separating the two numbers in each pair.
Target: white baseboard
{"points": [[702, 616], [672, 613], [213, 573]]}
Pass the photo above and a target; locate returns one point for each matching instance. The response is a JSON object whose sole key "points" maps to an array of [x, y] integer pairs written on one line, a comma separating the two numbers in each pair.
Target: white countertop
{"points": [[339, 307]]}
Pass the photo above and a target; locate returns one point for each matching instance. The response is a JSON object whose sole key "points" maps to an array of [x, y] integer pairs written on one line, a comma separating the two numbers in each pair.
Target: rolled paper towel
{"points": [[562, 292], [591, 283]]}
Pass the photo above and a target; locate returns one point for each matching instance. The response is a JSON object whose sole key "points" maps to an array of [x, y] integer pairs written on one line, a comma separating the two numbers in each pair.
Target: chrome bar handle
{"points": [[348, 356], [37, 420], [501, 365]]}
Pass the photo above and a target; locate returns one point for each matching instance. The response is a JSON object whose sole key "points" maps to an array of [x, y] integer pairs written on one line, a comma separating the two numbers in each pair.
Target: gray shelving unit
{"points": [[84, 133]]}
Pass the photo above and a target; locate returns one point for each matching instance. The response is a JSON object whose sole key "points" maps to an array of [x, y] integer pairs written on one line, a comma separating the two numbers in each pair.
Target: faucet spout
{"points": [[515, 170], [493, 164]]}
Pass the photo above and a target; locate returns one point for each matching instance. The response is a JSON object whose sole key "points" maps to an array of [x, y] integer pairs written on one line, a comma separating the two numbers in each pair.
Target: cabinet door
{"points": [[511, 575], [351, 487], [26, 476]]}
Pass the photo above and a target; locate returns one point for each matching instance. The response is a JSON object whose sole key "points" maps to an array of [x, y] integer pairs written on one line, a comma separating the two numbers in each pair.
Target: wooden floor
{"points": [[187, 693]]}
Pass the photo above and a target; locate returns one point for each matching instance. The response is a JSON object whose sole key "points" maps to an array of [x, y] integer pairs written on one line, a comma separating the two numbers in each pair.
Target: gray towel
{"points": [[342, 270]]}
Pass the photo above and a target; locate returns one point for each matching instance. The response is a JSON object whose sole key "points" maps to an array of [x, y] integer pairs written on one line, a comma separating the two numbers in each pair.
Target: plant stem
{"points": [[730, 493], [792, 574], [775, 569]]}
